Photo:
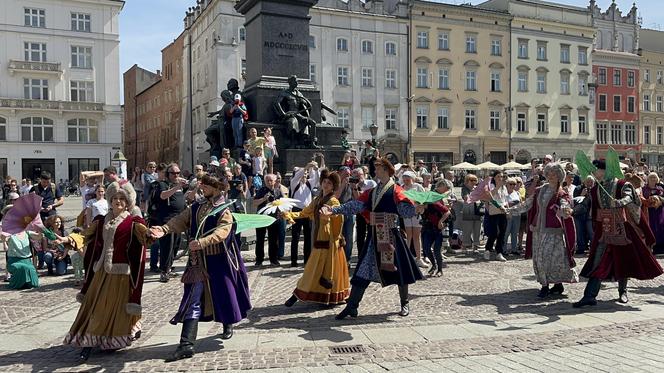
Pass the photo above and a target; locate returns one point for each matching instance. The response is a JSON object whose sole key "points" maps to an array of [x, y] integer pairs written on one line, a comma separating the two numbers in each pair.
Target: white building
{"points": [[350, 37], [59, 86]]}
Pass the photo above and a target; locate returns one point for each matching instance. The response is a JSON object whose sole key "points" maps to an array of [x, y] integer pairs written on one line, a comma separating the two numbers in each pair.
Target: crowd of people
{"points": [[354, 218]]}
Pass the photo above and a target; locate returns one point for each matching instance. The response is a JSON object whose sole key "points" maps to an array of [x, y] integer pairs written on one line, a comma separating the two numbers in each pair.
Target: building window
{"points": [[496, 47], [583, 56], [646, 102], [443, 118], [660, 131], [367, 46], [423, 39], [541, 51], [601, 76], [80, 22], [470, 119], [602, 135], [646, 135], [36, 129], [659, 77], [391, 118], [523, 48], [391, 79], [564, 83], [630, 78], [521, 122], [564, 53], [312, 42], [443, 79], [616, 134], [343, 116], [471, 81], [422, 115], [242, 34], [658, 103], [3, 129], [342, 76], [312, 73], [390, 49], [564, 123], [583, 85], [422, 77], [494, 120], [443, 41], [617, 77], [78, 165], [82, 91], [646, 75], [82, 130], [631, 104], [34, 52], [495, 81], [583, 126], [542, 123], [523, 81], [367, 77], [541, 82], [471, 44], [368, 118], [35, 89], [616, 104], [81, 57], [342, 45], [34, 17], [602, 103], [630, 134]]}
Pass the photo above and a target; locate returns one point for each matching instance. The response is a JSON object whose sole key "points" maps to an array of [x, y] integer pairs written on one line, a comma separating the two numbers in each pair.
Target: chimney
{"points": [[158, 72]]}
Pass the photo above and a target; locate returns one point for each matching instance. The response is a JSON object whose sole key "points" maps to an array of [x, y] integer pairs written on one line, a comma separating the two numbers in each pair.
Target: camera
{"points": [[353, 180]]}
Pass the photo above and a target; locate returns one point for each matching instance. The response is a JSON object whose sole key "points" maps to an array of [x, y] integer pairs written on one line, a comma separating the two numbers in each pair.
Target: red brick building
{"points": [[153, 109]]}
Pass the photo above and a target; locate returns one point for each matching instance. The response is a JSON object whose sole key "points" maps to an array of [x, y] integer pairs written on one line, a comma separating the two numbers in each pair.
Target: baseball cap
{"points": [[409, 174]]}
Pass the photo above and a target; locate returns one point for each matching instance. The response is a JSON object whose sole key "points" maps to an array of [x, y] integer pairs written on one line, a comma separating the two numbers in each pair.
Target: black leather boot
{"points": [[544, 292], [353, 302], [291, 301], [589, 295], [228, 331], [622, 291], [85, 354], [403, 296], [185, 349], [557, 289]]}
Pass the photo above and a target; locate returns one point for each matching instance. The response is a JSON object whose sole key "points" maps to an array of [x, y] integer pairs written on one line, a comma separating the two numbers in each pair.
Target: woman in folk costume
{"points": [[653, 193], [385, 258], [325, 278], [552, 231], [621, 243], [216, 286], [110, 312]]}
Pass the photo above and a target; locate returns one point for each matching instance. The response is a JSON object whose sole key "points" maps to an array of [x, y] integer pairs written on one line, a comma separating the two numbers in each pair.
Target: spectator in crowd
{"points": [[270, 149], [171, 202], [238, 189], [87, 188], [471, 215], [350, 160], [137, 183], [97, 206], [495, 222], [361, 184], [514, 220], [258, 162], [420, 168], [582, 217], [52, 197], [434, 217], [55, 255], [226, 155], [282, 222], [369, 155], [244, 160], [264, 195], [344, 193], [426, 181], [653, 193], [412, 224], [152, 204], [302, 186], [148, 177]]}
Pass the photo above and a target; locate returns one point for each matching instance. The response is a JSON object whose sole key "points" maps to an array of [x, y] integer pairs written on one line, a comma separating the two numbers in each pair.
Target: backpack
{"points": [[154, 198], [297, 187], [53, 188]]}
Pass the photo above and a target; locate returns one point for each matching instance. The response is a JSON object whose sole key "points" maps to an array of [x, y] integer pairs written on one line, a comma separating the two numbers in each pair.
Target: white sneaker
{"points": [[421, 263], [500, 258], [426, 260], [487, 255]]}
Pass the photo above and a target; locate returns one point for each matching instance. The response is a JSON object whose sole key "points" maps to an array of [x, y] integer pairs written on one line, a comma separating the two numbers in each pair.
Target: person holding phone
{"points": [[171, 202]]}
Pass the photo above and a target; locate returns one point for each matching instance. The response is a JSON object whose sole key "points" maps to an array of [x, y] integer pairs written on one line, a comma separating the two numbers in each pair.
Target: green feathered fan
{"points": [[613, 170], [425, 197], [248, 221], [584, 164]]}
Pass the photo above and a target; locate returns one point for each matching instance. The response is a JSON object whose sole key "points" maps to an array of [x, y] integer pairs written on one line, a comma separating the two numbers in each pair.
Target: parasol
{"points": [[248, 221], [425, 197], [515, 166], [489, 166], [23, 215], [281, 204], [464, 166]]}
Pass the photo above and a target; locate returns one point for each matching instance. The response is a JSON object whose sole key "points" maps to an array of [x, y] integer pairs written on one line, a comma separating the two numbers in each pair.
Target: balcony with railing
{"points": [[21, 103], [54, 68]]}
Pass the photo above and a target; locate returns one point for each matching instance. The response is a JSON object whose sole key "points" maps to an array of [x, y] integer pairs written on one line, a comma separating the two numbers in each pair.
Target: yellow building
{"points": [[459, 69]]}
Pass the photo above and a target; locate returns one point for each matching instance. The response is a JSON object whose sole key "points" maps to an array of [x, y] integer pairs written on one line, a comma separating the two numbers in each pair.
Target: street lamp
{"points": [[120, 163], [374, 131]]}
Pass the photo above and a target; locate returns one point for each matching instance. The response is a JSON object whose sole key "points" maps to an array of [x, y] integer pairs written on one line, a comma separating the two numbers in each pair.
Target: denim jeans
{"points": [[60, 265], [77, 264], [347, 231], [584, 233], [512, 231], [154, 255], [236, 123], [282, 237], [433, 238]]}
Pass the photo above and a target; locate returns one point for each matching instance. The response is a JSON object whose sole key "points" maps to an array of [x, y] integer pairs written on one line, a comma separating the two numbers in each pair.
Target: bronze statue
{"points": [[294, 110]]}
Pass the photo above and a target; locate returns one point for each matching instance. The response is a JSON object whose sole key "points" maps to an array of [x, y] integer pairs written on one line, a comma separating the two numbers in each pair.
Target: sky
{"points": [[147, 26]]}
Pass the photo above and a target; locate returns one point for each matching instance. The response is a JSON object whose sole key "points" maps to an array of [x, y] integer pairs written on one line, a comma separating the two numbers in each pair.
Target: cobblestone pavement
{"points": [[480, 316]]}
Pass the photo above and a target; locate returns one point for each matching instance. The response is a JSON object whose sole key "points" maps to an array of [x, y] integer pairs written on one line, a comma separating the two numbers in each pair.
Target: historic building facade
{"points": [[153, 110], [551, 109], [651, 45], [459, 67], [616, 75], [59, 92]]}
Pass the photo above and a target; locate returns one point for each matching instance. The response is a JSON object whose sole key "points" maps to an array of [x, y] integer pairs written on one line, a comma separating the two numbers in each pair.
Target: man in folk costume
{"points": [[216, 286], [622, 239], [386, 258]]}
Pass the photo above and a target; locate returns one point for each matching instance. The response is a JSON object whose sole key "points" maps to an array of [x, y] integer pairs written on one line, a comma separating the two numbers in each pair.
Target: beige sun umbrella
{"points": [[464, 166], [489, 166], [515, 166]]}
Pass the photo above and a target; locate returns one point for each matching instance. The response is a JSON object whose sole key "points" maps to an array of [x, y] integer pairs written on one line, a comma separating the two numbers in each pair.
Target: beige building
{"points": [[459, 83], [551, 108], [652, 94]]}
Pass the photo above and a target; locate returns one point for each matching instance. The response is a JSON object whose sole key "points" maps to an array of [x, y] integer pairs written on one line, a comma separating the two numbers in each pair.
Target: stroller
{"points": [[456, 240]]}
